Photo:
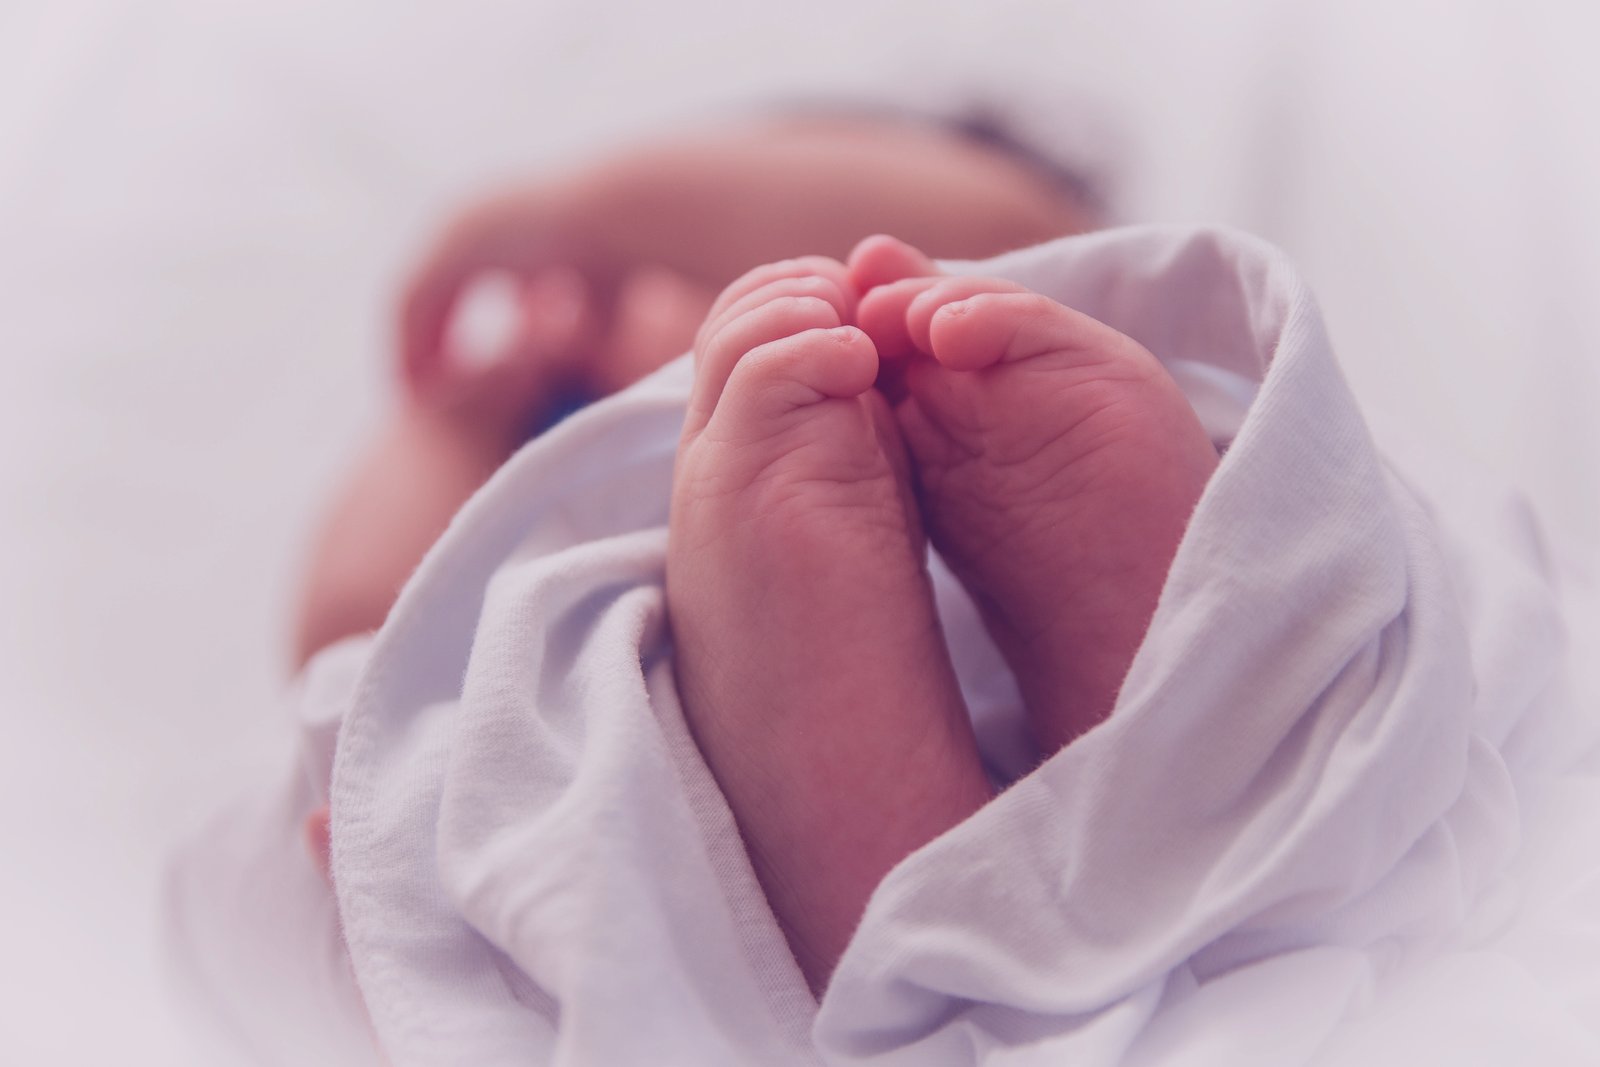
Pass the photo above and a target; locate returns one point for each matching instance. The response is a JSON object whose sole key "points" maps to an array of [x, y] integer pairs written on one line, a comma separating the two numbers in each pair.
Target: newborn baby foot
{"points": [[809, 656], [1058, 464]]}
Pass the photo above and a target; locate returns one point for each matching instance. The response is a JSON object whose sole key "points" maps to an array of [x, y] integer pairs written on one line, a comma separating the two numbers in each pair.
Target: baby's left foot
{"points": [[809, 656], [1058, 463]]}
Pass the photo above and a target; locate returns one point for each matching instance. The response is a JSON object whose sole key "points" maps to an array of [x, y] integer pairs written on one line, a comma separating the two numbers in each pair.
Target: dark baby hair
{"points": [[978, 121]]}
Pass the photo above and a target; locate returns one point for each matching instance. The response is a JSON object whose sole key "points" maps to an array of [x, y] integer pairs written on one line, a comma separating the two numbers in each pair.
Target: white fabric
{"points": [[1343, 770]]}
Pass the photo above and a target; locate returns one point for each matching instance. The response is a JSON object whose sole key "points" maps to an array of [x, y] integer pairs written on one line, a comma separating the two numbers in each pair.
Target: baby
{"points": [[846, 413], [648, 719]]}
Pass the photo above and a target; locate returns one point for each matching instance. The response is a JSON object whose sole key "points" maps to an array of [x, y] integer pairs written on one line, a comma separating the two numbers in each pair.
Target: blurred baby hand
{"points": [[531, 239], [580, 305]]}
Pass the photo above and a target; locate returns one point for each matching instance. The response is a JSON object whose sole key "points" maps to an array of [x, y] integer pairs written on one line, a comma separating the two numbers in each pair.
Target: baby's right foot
{"points": [[809, 656], [1058, 462]]}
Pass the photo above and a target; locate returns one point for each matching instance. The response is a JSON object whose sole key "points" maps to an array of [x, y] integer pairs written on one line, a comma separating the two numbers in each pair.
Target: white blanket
{"points": [[1341, 812]]}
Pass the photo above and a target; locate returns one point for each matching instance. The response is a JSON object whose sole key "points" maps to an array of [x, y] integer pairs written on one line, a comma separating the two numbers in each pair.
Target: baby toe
{"points": [[808, 275], [957, 298], [739, 337], [780, 377], [882, 315], [880, 259]]}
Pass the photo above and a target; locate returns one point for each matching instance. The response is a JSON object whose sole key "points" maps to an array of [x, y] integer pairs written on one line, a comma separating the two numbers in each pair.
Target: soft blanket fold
{"points": [[1307, 807]]}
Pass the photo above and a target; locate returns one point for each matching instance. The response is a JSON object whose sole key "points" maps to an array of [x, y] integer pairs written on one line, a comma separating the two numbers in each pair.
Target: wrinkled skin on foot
{"points": [[810, 661], [1057, 465]]}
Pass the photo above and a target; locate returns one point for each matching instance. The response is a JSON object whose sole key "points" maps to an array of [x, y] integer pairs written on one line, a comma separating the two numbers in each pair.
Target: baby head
{"points": [[816, 180], [669, 223]]}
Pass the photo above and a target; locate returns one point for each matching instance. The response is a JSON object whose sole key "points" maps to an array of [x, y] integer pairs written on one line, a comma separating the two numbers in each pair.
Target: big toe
{"points": [[781, 377], [881, 259]]}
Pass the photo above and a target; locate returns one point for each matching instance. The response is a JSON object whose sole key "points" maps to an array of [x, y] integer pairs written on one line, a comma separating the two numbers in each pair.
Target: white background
{"points": [[205, 206]]}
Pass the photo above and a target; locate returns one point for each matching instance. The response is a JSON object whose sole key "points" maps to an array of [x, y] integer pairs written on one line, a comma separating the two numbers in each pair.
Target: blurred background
{"points": [[206, 207]]}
